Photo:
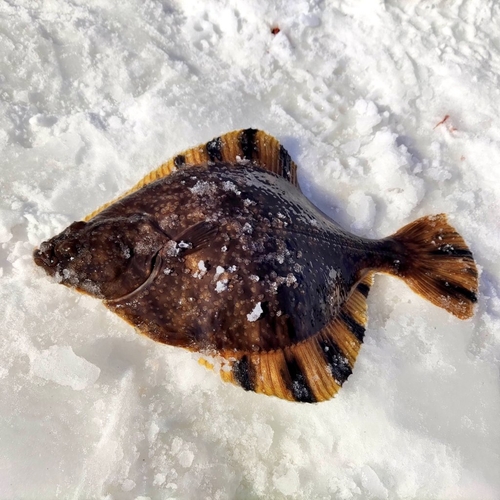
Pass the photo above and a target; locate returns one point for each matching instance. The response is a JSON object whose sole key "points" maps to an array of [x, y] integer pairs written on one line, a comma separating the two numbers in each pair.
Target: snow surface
{"points": [[94, 94]]}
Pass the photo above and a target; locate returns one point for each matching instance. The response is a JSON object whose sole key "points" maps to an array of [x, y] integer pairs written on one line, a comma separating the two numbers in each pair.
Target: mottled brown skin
{"points": [[237, 260]]}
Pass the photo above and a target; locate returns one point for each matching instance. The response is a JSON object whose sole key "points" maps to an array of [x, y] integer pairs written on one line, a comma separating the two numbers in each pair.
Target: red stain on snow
{"points": [[451, 128], [442, 121]]}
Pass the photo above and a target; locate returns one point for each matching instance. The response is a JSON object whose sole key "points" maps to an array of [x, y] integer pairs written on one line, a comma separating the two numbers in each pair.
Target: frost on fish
{"points": [[201, 271], [221, 286], [256, 312]]}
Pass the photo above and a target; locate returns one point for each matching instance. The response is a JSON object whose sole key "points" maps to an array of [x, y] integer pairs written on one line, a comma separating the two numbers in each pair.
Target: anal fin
{"points": [[312, 370]]}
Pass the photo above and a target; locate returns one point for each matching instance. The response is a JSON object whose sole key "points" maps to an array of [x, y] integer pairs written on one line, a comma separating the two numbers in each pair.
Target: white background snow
{"points": [[94, 94]]}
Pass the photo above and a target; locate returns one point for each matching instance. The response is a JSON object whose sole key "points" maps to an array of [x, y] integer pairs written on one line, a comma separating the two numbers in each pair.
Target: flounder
{"points": [[218, 251]]}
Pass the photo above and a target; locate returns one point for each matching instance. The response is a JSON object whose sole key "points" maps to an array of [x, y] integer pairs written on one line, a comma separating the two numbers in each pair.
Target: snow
{"points": [[96, 94], [203, 188], [60, 364], [221, 285], [256, 312], [202, 270]]}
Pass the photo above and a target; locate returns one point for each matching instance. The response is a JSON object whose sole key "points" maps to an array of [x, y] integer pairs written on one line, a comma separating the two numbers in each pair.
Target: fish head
{"points": [[106, 257]]}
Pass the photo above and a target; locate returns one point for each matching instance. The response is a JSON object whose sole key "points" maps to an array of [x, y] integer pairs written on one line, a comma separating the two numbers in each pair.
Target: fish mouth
{"points": [[45, 257], [59, 249], [156, 265], [52, 255]]}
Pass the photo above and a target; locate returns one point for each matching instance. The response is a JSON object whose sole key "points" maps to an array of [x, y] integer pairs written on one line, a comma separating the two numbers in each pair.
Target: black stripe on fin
{"points": [[363, 289], [438, 264], [180, 161], [451, 250], [214, 149], [300, 388], [457, 290], [247, 143], [357, 329], [337, 362], [251, 144], [243, 375], [285, 163]]}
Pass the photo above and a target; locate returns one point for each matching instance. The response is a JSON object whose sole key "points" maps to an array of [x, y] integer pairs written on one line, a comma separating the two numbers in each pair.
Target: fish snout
{"points": [[45, 257]]}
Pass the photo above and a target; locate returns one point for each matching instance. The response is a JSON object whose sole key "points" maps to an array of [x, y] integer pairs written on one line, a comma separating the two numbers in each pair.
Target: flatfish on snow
{"points": [[218, 251]]}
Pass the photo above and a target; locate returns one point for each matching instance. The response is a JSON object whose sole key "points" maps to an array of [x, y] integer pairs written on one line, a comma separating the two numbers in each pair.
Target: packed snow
{"points": [[390, 110]]}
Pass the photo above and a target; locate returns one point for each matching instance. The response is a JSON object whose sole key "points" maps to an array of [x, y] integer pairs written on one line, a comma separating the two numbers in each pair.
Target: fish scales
{"points": [[219, 252]]}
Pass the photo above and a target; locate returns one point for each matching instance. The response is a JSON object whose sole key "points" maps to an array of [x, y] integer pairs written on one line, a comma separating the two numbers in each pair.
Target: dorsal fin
{"points": [[312, 370], [247, 144]]}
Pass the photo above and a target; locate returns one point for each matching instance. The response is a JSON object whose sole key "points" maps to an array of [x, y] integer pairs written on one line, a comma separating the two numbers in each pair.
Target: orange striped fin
{"points": [[234, 147], [440, 266], [312, 370]]}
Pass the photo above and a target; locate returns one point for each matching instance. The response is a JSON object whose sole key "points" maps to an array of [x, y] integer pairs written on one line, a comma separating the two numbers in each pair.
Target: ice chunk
{"points": [[177, 443], [61, 365], [218, 271], [203, 188], [221, 286], [202, 270], [371, 482], [391, 171], [351, 148], [367, 117], [186, 458], [128, 485], [230, 186], [153, 432], [362, 208], [256, 312], [281, 48], [288, 483], [5, 234]]}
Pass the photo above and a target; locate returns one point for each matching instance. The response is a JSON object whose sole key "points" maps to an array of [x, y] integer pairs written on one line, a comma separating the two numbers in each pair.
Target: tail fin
{"points": [[439, 266]]}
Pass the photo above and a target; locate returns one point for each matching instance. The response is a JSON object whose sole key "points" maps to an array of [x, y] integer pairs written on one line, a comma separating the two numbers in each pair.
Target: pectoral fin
{"points": [[197, 236]]}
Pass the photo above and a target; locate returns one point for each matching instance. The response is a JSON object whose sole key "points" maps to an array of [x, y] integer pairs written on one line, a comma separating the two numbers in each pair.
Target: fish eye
{"points": [[66, 249], [122, 248]]}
